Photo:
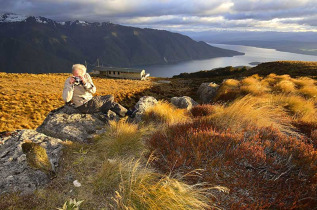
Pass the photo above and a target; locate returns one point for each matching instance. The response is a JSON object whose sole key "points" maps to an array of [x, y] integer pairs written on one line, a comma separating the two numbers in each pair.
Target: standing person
{"points": [[78, 90]]}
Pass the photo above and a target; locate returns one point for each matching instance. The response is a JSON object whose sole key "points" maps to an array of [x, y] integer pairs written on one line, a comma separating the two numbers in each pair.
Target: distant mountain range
{"points": [[303, 47], [295, 42], [41, 45]]}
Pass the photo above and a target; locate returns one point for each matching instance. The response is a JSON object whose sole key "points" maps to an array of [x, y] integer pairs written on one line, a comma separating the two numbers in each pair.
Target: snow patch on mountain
{"points": [[11, 17], [40, 20]]}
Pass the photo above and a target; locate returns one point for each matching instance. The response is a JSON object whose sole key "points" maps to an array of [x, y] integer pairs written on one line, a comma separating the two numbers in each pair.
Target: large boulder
{"points": [[207, 91], [141, 106], [28, 159], [67, 123], [184, 102]]}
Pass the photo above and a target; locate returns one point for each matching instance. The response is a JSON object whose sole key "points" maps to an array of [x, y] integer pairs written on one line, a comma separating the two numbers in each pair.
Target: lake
{"points": [[252, 54]]}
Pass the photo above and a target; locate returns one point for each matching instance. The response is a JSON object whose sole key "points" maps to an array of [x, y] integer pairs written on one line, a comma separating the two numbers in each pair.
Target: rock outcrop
{"points": [[184, 102], [207, 92], [28, 159], [141, 106], [67, 123]]}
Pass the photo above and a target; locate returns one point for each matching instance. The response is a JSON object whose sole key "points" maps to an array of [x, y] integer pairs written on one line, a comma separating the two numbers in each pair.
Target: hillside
{"points": [[292, 68], [26, 99], [301, 47], [37, 44], [255, 132], [45, 89]]}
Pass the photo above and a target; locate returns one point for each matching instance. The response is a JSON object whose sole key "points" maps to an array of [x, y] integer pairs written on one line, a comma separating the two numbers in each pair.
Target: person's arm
{"points": [[89, 85], [68, 91]]}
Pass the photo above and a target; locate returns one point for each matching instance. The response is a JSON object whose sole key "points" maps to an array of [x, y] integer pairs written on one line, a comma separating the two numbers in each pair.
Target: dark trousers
{"points": [[102, 104]]}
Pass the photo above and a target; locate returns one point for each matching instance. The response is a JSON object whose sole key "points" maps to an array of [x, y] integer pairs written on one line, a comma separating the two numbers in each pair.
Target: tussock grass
{"points": [[164, 112], [228, 89], [296, 96], [143, 188], [250, 111], [107, 180], [303, 81], [301, 109], [122, 139], [252, 85], [309, 91], [286, 86]]}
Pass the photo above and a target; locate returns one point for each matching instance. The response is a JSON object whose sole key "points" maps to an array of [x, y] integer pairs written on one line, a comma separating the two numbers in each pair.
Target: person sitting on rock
{"points": [[78, 90]]}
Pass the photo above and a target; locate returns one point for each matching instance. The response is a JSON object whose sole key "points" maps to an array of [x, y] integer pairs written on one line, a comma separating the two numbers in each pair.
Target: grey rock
{"points": [[207, 91], [110, 115], [67, 123], [141, 106], [184, 102], [16, 173]]}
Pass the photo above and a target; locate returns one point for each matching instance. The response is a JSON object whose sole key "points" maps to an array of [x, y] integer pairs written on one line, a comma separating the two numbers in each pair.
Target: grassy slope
{"points": [[259, 132], [292, 68], [258, 138], [26, 99]]}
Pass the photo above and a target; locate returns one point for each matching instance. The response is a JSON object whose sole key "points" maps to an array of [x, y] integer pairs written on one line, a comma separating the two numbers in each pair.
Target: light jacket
{"points": [[79, 94]]}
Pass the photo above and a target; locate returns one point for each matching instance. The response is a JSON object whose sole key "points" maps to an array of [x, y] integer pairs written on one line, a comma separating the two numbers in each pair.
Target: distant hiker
{"points": [[78, 90]]}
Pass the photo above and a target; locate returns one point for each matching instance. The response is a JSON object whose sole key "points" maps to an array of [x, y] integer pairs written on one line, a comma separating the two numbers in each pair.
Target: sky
{"points": [[179, 15]]}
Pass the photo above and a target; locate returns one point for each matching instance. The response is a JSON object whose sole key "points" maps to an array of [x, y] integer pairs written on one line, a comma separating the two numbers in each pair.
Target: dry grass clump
{"points": [[285, 86], [271, 84], [164, 112], [252, 85], [309, 91], [122, 139], [228, 89], [250, 111], [296, 96], [301, 109], [303, 81], [107, 179], [143, 188]]}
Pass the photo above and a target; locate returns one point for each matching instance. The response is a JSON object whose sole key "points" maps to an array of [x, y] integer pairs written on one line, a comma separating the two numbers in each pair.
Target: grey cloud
{"points": [[180, 14]]}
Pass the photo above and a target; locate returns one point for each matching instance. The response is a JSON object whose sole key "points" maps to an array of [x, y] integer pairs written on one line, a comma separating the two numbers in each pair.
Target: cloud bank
{"points": [[179, 15]]}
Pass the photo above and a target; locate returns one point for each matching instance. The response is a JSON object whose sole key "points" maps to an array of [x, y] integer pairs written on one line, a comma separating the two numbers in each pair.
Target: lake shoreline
{"points": [[252, 54]]}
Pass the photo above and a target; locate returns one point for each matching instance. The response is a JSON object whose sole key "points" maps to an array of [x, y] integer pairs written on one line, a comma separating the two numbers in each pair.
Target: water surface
{"points": [[252, 54]]}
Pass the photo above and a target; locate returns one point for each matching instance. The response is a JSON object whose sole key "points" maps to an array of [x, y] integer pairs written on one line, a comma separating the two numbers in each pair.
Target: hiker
{"points": [[78, 90]]}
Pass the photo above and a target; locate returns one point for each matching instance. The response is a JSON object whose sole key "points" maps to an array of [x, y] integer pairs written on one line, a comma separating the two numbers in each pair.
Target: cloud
{"points": [[276, 15]]}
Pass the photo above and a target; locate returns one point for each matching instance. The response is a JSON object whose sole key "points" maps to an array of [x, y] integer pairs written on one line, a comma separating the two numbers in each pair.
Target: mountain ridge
{"points": [[41, 45]]}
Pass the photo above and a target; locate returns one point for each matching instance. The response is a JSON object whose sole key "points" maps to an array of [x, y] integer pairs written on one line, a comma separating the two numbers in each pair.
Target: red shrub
{"points": [[263, 168], [202, 110]]}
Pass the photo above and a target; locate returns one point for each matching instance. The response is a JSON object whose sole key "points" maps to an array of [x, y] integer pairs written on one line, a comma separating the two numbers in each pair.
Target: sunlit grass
{"points": [[300, 108], [122, 139], [26, 99], [286, 86], [164, 112], [309, 91], [248, 112], [143, 188]]}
